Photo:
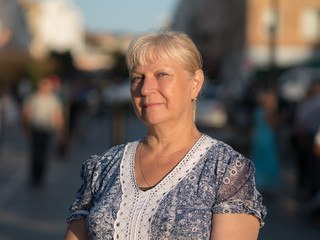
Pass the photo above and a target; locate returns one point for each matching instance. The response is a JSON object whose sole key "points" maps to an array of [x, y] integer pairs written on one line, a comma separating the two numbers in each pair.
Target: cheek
{"points": [[134, 97], [134, 90], [180, 93], [135, 102]]}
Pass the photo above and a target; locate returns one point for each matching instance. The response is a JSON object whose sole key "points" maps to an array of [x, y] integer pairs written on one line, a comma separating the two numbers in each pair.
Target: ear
{"points": [[197, 82]]}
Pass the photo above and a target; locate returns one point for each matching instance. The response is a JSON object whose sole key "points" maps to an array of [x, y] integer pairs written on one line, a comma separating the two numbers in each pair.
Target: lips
{"points": [[151, 105]]}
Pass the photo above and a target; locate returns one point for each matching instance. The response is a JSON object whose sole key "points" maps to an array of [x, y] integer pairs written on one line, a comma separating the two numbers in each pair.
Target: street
{"points": [[27, 213]]}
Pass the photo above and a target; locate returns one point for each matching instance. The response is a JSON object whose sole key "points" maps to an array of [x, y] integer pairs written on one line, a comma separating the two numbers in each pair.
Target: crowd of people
{"points": [[305, 141], [286, 135]]}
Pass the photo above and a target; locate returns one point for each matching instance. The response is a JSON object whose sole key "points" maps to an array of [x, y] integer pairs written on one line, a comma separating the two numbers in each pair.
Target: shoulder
{"points": [[223, 152], [96, 167], [224, 157], [109, 159], [113, 154]]}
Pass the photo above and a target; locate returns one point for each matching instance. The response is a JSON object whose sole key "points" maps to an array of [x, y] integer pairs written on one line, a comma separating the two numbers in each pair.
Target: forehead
{"points": [[156, 65]]}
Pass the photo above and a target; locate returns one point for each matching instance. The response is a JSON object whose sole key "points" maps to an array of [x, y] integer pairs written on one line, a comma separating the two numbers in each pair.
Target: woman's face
{"points": [[162, 92]]}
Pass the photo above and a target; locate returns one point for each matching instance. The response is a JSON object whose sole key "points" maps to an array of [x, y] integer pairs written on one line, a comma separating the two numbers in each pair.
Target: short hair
{"points": [[164, 46]]}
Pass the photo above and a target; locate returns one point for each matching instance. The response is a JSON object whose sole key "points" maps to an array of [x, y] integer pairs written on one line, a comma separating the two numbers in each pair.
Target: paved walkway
{"points": [[26, 213]]}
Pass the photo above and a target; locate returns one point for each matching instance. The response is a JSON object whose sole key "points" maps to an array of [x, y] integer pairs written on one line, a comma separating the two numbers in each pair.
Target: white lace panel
{"points": [[137, 207]]}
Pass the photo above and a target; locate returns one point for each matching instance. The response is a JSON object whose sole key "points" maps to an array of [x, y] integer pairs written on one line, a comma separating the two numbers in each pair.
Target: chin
{"points": [[152, 120]]}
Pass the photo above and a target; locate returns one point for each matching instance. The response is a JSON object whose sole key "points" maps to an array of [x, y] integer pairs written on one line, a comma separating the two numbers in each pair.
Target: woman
{"points": [[264, 148], [176, 183]]}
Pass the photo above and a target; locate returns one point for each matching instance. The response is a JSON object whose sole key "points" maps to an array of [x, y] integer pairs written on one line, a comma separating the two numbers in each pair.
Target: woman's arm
{"points": [[77, 230], [234, 227]]}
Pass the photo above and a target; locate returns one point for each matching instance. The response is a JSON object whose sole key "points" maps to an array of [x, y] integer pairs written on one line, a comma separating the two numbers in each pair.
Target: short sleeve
{"points": [[237, 191], [84, 197]]}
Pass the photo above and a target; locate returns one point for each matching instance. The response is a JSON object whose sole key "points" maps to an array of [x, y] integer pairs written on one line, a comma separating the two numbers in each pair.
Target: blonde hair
{"points": [[164, 46]]}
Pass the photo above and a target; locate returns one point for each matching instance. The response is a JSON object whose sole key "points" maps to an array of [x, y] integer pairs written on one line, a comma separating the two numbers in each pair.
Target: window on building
{"points": [[310, 24]]}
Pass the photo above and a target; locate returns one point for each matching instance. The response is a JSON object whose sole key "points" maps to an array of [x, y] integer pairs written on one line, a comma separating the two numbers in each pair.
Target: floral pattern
{"points": [[211, 179]]}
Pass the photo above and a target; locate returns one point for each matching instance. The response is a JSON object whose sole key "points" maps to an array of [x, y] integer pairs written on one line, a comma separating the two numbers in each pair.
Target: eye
{"points": [[136, 79], [162, 75]]}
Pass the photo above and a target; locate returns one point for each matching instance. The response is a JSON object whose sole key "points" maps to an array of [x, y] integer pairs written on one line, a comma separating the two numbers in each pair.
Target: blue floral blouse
{"points": [[211, 179]]}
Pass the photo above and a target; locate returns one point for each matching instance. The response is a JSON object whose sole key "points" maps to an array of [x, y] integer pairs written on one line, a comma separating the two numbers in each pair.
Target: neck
{"points": [[171, 139]]}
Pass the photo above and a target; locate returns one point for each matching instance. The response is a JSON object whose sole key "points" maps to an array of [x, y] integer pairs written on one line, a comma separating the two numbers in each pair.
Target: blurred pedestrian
{"points": [[313, 205], [306, 124], [176, 183], [42, 117], [264, 151]]}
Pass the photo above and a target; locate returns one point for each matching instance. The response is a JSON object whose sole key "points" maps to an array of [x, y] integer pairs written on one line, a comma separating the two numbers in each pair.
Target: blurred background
{"points": [[261, 96]]}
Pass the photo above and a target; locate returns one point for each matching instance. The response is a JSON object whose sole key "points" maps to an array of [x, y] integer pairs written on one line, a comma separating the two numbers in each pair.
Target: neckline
{"points": [[144, 189], [172, 172]]}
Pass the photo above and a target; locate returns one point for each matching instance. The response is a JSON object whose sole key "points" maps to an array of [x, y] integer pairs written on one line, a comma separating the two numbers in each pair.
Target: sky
{"points": [[135, 16]]}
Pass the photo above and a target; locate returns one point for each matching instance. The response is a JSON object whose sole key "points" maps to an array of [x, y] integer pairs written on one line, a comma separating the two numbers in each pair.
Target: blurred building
{"points": [[14, 31], [100, 49], [237, 36], [293, 25], [46, 26], [56, 25]]}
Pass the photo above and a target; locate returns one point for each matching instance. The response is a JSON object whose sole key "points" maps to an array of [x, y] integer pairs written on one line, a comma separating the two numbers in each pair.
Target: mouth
{"points": [[151, 105]]}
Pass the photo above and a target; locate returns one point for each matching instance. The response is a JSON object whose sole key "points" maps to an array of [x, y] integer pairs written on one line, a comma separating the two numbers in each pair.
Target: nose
{"points": [[148, 85]]}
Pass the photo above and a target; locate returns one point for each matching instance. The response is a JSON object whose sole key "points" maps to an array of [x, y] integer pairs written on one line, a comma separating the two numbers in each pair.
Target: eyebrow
{"points": [[136, 72]]}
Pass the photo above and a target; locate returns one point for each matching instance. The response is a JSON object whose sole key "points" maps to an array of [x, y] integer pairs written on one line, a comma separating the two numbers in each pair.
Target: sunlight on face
{"points": [[161, 92]]}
